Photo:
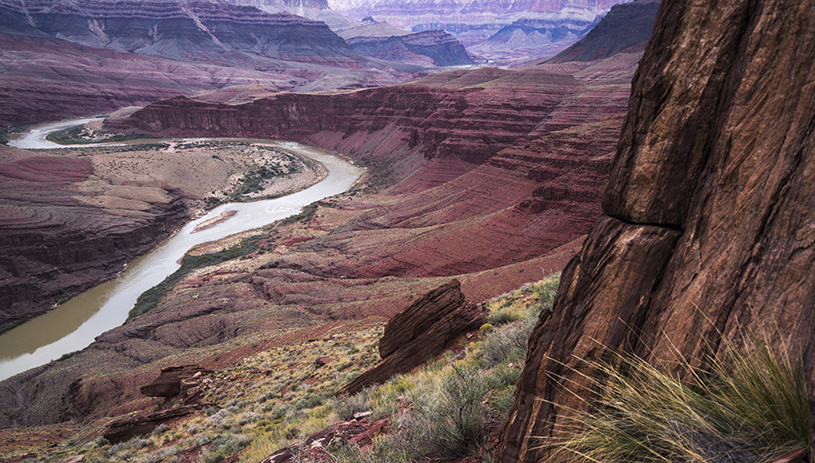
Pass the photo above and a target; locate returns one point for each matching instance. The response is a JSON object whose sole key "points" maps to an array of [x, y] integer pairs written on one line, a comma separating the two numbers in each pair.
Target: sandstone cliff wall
{"points": [[709, 223], [459, 118]]}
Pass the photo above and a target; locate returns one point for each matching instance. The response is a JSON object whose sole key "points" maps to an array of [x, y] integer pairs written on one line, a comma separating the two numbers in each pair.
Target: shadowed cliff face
{"points": [[709, 225]]}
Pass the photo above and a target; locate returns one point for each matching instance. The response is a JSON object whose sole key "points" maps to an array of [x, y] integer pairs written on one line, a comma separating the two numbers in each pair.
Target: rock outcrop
{"points": [[432, 47], [419, 333], [709, 225], [173, 381], [54, 243], [626, 28], [127, 428]]}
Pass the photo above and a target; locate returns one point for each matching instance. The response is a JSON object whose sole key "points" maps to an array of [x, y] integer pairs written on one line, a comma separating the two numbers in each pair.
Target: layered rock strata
{"points": [[55, 243], [76, 58], [515, 217], [421, 332], [436, 48], [708, 226], [214, 31]]}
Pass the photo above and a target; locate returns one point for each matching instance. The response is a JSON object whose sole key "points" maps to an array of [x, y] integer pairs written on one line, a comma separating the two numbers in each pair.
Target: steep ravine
{"points": [[708, 222]]}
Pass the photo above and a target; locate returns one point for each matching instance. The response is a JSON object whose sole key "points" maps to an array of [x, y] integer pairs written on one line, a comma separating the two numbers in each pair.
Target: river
{"points": [[75, 324]]}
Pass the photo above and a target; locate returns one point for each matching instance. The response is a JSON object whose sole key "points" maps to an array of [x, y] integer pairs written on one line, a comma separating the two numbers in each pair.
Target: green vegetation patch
{"points": [[189, 263], [77, 135], [6, 132]]}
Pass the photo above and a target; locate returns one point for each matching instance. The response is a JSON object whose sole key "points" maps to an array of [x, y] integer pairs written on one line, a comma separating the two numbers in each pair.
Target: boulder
{"points": [[126, 428], [420, 332], [173, 381], [709, 214]]}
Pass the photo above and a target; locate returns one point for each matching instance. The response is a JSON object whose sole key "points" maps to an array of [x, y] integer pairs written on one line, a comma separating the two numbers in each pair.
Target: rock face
{"points": [[171, 380], [421, 332], [216, 31], [709, 225], [433, 47], [626, 27], [53, 244], [127, 428]]}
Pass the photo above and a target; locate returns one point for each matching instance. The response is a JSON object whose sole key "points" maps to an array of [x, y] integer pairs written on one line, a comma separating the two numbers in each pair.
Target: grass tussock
{"points": [[751, 405]]}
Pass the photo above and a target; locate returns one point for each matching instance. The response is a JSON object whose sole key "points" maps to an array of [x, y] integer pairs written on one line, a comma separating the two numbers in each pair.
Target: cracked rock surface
{"points": [[708, 223]]}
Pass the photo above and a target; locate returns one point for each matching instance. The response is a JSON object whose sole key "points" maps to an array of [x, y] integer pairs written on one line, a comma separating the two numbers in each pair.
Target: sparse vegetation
{"points": [[189, 263], [751, 405], [5, 132], [78, 135]]}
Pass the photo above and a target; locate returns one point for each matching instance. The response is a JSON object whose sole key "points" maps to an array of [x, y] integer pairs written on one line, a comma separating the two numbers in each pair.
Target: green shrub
{"points": [[347, 406], [450, 418], [390, 448], [506, 343]]}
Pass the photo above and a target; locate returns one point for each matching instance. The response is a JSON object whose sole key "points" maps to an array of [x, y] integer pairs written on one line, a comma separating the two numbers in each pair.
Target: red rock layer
{"points": [[529, 152], [53, 246], [709, 218]]}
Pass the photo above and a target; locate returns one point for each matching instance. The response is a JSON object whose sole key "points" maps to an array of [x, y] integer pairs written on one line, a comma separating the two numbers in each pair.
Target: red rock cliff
{"points": [[709, 222]]}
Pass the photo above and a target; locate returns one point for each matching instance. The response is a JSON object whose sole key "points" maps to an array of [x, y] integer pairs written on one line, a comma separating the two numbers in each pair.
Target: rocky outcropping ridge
{"points": [[709, 227], [421, 332], [53, 244], [626, 27], [433, 47]]}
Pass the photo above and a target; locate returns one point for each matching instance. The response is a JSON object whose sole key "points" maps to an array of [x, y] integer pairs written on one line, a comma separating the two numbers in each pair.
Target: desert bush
{"points": [[389, 448], [383, 401], [128, 446], [751, 405], [347, 406], [222, 418], [224, 446], [506, 343], [449, 415]]}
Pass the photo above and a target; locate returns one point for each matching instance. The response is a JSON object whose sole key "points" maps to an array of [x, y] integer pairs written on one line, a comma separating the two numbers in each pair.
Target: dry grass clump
{"points": [[751, 405]]}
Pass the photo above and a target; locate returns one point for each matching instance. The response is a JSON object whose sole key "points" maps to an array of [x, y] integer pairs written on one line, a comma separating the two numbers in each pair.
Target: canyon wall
{"points": [[709, 224], [56, 243], [81, 57], [458, 119], [494, 177]]}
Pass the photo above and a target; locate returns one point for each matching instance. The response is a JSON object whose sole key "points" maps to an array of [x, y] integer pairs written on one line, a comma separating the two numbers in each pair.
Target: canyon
{"points": [[73, 58], [442, 191]]}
